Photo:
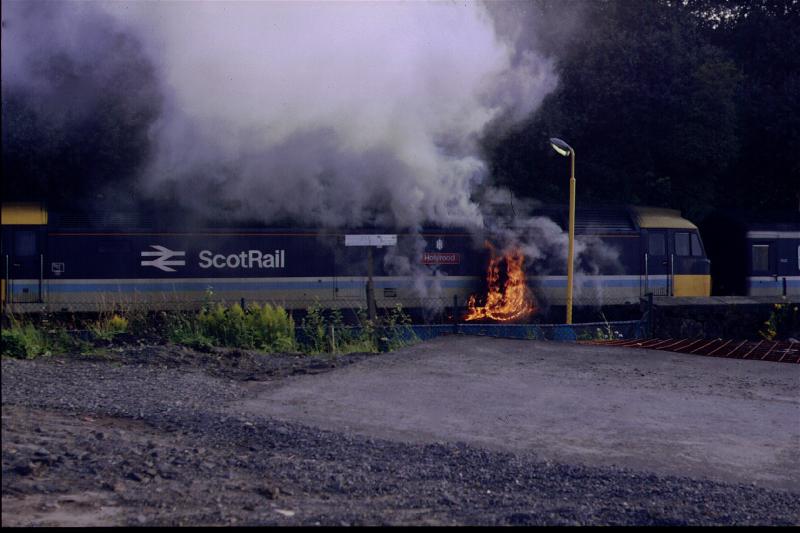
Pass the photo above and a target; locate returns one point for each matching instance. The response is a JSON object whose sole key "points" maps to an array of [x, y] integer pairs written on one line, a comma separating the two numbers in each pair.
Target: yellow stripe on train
{"points": [[691, 285], [30, 213]]}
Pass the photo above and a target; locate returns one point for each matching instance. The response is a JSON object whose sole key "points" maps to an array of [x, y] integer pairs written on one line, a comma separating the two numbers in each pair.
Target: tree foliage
{"points": [[693, 105]]}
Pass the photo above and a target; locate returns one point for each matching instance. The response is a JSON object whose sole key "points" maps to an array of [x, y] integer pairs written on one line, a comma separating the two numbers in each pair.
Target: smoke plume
{"points": [[325, 113], [330, 113], [79, 97], [321, 113]]}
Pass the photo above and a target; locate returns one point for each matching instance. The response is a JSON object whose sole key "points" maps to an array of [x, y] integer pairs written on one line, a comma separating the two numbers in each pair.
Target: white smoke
{"points": [[324, 113], [331, 113], [545, 244]]}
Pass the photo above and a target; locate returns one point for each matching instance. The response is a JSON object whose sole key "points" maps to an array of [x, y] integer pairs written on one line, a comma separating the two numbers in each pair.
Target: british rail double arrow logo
{"points": [[163, 258]]}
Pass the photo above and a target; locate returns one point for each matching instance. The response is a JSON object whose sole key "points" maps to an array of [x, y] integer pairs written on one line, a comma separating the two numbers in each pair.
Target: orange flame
{"points": [[515, 301]]}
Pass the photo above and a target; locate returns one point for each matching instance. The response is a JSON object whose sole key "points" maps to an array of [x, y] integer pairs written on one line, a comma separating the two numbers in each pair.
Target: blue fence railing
{"points": [[630, 329]]}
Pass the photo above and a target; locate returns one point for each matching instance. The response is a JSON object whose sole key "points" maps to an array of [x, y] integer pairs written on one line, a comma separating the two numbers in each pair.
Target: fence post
{"points": [[650, 314], [455, 314], [370, 288]]}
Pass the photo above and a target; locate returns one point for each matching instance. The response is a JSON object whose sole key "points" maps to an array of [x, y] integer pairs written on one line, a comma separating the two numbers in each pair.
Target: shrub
{"points": [[783, 322], [226, 327], [315, 327], [106, 328], [272, 327], [388, 332], [397, 329], [266, 328], [23, 340], [61, 341], [185, 329], [29, 340]]}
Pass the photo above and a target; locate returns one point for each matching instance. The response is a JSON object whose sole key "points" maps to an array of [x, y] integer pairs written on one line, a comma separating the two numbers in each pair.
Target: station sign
{"points": [[370, 240], [441, 258]]}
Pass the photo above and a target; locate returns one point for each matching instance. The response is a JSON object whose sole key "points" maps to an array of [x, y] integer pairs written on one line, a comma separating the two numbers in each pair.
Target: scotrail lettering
{"points": [[244, 259]]}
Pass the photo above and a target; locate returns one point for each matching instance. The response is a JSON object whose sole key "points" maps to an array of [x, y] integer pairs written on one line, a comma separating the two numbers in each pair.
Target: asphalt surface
{"points": [[708, 418], [163, 435]]}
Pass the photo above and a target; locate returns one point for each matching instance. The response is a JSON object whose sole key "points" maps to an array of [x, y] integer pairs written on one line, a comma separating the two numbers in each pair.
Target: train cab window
{"points": [[24, 243], [697, 250], [760, 257], [682, 243], [656, 244]]}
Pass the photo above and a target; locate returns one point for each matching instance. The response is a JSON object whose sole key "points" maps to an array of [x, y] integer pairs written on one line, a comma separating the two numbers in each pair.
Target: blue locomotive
{"points": [[52, 262]]}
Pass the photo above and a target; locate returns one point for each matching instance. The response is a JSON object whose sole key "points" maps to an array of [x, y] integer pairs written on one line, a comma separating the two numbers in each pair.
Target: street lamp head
{"points": [[560, 146]]}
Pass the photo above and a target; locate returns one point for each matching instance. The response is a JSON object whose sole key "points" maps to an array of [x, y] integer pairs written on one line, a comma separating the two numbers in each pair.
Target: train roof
{"points": [[588, 219], [595, 219], [660, 217], [615, 219], [737, 222]]}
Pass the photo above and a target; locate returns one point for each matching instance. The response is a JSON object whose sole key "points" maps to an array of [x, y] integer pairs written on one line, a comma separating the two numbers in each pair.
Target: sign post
{"points": [[371, 241]]}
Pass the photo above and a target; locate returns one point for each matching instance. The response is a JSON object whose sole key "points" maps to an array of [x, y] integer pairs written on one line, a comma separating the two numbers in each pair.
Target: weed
{"points": [[607, 333], [272, 328], [61, 341], [262, 327], [397, 329], [183, 328], [24, 341], [324, 331], [106, 328], [783, 321], [314, 328]]}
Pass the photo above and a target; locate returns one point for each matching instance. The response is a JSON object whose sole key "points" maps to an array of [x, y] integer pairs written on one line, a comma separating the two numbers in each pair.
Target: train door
{"points": [[351, 268], [23, 264], [763, 279], [788, 265], [657, 263]]}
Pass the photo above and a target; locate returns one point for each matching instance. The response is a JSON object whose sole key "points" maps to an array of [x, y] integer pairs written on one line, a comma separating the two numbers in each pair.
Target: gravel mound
{"points": [[143, 438]]}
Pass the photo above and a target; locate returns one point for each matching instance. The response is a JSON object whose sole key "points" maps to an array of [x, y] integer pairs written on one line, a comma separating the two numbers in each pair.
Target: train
{"points": [[55, 262], [754, 255]]}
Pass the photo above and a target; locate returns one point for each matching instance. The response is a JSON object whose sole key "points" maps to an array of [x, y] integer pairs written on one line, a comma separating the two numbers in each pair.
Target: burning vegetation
{"points": [[515, 301]]}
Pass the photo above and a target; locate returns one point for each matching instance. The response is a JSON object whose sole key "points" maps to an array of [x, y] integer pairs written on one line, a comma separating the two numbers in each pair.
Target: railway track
{"points": [[763, 350]]}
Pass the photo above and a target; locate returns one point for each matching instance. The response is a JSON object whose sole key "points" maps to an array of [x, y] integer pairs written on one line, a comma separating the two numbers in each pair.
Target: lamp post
{"points": [[566, 150]]}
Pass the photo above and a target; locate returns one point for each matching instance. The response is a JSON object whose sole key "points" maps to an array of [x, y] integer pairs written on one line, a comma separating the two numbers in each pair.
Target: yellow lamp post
{"points": [[566, 150]]}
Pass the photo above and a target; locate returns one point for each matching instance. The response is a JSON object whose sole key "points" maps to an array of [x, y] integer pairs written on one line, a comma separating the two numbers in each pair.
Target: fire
{"points": [[515, 301]]}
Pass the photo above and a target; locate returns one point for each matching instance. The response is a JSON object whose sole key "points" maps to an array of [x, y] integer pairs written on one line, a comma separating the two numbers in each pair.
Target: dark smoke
{"points": [[79, 96], [318, 113]]}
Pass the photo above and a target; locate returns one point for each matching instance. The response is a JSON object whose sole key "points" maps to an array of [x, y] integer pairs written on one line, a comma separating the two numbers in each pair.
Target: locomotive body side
{"points": [[80, 268], [648, 250], [772, 256], [56, 265], [755, 254], [22, 249]]}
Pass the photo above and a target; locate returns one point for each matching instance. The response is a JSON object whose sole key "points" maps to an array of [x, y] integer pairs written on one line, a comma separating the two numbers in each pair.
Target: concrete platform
{"points": [[702, 417]]}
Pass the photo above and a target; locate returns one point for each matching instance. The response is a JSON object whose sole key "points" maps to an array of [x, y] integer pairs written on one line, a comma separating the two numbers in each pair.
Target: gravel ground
{"points": [[146, 437]]}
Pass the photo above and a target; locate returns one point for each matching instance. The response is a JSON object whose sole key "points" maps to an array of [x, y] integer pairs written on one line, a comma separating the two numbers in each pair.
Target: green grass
{"points": [[26, 340], [268, 328], [265, 328]]}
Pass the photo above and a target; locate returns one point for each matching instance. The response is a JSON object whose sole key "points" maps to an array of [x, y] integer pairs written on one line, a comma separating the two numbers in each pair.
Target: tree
{"points": [[667, 107]]}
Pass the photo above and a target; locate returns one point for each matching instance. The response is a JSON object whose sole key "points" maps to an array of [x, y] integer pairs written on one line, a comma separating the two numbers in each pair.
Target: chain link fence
{"points": [[403, 334]]}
